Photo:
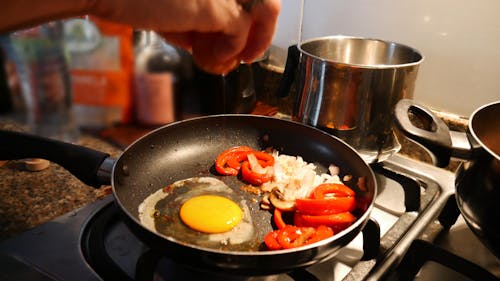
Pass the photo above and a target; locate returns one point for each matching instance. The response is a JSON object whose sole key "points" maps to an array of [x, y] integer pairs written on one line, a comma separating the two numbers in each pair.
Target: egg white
{"points": [[159, 212]]}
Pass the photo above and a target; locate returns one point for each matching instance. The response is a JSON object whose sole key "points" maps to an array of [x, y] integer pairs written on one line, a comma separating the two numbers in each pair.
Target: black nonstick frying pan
{"points": [[188, 149]]}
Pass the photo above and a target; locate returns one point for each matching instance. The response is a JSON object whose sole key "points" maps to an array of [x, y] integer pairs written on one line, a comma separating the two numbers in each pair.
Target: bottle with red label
{"points": [[156, 67]]}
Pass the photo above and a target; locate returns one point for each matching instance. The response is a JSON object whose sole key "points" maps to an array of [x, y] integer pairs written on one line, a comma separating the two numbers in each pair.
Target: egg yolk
{"points": [[210, 213]]}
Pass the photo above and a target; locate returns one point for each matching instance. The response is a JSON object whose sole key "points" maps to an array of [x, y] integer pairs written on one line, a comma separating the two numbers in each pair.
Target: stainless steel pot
{"points": [[348, 86], [478, 179]]}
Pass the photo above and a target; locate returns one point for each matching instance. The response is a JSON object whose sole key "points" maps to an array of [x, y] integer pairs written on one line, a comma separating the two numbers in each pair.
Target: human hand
{"points": [[219, 33]]}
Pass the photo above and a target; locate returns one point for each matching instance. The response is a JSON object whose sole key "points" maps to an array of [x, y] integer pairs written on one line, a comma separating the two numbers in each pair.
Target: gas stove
{"points": [[415, 233]]}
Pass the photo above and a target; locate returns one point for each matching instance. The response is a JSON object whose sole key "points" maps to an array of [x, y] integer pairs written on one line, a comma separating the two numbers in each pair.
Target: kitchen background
{"points": [[459, 40], [111, 67]]}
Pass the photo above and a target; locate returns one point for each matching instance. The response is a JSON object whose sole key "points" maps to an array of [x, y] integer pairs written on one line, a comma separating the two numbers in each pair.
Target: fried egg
{"points": [[202, 211]]}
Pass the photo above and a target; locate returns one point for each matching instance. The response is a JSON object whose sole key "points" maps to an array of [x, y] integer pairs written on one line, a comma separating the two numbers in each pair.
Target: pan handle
{"points": [[84, 163], [435, 138]]}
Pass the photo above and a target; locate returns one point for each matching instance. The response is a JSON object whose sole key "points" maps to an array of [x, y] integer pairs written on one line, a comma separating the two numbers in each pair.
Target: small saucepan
{"points": [[348, 86], [188, 149], [478, 178]]}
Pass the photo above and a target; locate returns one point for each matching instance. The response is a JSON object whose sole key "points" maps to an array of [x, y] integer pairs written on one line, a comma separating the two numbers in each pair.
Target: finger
{"points": [[217, 52], [264, 16], [219, 68], [202, 58], [228, 44]]}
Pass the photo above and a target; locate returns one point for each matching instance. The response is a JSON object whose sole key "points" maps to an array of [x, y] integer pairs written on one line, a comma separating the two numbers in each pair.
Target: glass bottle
{"points": [[156, 75]]}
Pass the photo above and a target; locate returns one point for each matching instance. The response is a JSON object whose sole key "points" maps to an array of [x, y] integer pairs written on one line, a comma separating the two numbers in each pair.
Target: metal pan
{"points": [[187, 149]]}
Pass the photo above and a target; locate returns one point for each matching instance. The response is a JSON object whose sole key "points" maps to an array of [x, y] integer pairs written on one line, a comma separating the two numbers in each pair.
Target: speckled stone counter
{"points": [[28, 199]]}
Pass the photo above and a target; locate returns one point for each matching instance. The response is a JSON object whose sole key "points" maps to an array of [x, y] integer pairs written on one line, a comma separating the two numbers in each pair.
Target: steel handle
{"points": [[436, 138]]}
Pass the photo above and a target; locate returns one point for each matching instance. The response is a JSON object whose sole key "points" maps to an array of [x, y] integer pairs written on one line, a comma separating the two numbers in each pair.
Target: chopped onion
{"points": [[256, 167], [295, 178], [254, 164], [334, 170]]}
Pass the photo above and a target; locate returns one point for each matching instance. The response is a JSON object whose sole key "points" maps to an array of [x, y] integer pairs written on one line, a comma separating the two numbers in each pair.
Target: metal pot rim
{"points": [[473, 132], [417, 61]]}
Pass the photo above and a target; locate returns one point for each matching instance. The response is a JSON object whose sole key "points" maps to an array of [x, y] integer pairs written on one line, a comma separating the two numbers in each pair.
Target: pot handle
{"points": [[84, 163], [292, 61], [436, 138]]}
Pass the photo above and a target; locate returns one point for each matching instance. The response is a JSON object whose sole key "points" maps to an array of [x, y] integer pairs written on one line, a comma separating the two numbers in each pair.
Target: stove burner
{"points": [[94, 247]]}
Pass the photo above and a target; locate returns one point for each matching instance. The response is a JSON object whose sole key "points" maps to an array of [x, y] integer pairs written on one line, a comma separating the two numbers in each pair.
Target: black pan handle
{"points": [[84, 163], [436, 138], [292, 62]]}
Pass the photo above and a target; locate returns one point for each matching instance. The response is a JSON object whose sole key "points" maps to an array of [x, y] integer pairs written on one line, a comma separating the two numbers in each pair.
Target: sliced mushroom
{"points": [[265, 198], [278, 200], [265, 204]]}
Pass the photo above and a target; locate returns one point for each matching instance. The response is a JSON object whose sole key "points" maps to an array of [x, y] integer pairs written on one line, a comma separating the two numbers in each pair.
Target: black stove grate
{"points": [[422, 251]]}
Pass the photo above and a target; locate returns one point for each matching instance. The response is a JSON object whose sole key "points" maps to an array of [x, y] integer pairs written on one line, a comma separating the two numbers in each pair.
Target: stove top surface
{"points": [[409, 217]]}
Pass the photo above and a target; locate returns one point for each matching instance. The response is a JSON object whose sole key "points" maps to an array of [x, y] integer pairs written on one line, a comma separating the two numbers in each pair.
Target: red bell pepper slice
{"points": [[329, 190], [319, 207], [238, 158], [271, 240], [292, 236], [248, 175], [327, 199], [337, 222], [265, 159], [229, 161], [278, 218], [221, 163], [322, 232]]}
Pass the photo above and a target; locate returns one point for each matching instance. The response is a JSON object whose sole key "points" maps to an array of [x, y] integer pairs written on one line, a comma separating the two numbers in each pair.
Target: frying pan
{"points": [[188, 149], [477, 189]]}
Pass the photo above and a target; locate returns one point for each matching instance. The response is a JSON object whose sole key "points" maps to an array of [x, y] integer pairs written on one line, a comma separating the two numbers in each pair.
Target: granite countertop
{"points": [[28, 199]]}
